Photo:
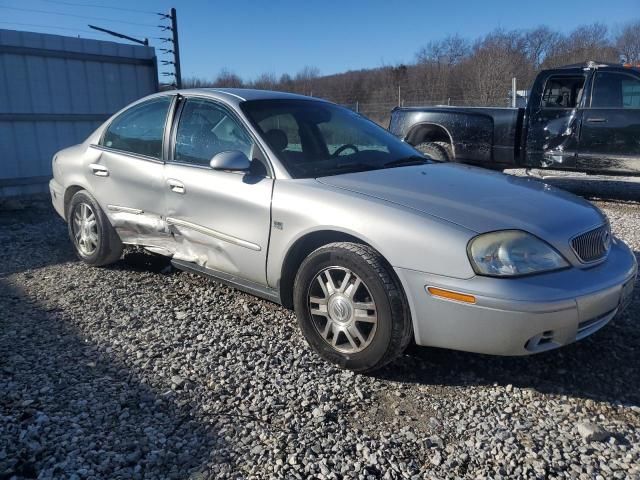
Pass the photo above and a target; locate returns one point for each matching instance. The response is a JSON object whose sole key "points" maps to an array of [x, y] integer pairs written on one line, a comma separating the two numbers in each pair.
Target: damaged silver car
{"points": [[311, 205]]}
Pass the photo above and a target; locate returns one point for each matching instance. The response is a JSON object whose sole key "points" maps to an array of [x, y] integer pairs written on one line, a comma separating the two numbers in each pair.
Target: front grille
{"points": [[592, 245]]}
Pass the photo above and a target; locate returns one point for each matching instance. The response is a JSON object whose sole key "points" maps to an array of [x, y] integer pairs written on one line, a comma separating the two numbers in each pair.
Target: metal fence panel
{"points": [[54, 91]]}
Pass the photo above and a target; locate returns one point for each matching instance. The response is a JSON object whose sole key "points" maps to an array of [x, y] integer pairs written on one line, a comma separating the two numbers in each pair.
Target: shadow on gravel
{"points": [[33, 226], [69, 407], [139, 260], [602, 367]]}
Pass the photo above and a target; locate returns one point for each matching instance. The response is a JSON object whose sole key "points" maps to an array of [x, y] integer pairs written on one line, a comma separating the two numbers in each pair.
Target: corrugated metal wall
{"points": [[54, 91]]}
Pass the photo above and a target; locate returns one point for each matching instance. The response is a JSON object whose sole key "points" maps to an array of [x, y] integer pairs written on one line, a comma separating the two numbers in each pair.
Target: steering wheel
{"points": [[348, 146]]}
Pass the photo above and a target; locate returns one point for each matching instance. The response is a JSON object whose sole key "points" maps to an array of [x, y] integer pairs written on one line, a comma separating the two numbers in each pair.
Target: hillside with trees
{"points": [[454, 70]]}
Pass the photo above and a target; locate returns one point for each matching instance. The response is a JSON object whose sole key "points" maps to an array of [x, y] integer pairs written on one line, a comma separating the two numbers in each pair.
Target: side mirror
{"points": [[231, 160]]}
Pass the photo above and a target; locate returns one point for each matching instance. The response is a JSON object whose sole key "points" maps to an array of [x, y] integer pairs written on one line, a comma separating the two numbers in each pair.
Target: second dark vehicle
{"points": [[580, 117]]}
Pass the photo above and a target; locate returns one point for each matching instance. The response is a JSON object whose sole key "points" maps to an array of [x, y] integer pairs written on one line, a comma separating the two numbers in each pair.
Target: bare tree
{"points": [[265, 81], [539, 43], [588, 42], [194, 82], [487, 73], [285, 83], [628, 42], [449, 51], [306, 79]]}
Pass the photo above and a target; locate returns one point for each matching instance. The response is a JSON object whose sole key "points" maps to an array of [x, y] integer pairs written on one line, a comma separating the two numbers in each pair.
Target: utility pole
{"points": [[176, 47], [513, 92], [175, 50]]}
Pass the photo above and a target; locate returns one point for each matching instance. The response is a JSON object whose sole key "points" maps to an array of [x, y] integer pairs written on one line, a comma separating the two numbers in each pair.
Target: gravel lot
{"points": [[141, 371]]}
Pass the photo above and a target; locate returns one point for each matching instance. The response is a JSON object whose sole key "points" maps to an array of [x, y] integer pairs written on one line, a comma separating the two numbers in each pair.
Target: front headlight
{"points": [[512, 252]]}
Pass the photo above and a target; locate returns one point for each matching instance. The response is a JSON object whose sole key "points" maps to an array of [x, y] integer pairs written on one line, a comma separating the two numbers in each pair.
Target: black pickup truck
{"points": [[583, 117]]}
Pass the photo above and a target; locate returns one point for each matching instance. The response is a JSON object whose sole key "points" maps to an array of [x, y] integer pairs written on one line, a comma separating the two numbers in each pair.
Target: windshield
{"points": [[316, 139]]}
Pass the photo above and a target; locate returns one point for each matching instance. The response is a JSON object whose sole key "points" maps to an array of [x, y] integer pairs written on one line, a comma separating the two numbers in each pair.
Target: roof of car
{"points": [[243, 94]]}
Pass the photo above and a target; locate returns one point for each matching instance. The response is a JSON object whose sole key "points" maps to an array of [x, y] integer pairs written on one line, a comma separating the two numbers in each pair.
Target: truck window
{"points": [[562, 92], [615, 90]]}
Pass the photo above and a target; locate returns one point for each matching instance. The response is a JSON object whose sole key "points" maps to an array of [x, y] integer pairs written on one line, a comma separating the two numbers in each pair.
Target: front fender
{"points": [[405, 237]]}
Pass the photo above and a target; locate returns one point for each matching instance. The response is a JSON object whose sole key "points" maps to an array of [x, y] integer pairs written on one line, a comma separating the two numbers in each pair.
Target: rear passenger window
{"points": [[139, 129], [562, 92], [615, 90], [631, 93]]}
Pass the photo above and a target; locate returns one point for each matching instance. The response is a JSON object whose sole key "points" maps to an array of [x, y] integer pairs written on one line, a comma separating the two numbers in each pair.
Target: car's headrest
{"points": [[277, 139]]}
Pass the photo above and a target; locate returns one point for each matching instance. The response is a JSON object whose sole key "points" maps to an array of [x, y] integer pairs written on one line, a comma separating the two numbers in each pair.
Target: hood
{"points": [[477, 199]]}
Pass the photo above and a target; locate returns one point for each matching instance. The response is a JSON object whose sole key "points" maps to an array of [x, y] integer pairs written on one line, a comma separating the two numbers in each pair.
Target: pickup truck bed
{"points": [[479, 135]]}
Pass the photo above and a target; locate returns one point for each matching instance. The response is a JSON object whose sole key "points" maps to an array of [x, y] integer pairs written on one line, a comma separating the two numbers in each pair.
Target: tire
{"points": [[95, 241], [378, 308], [448, 148], [434, 150]]}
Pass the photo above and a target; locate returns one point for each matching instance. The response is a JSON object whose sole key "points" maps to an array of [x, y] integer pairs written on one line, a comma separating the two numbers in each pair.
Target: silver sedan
{"points": [[310, 205]]}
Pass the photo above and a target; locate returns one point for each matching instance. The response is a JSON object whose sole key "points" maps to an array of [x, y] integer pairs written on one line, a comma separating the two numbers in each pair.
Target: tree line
{"points": [[454, 70]]}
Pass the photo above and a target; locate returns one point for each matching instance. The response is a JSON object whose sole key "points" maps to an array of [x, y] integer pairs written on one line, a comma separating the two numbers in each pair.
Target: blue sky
{"points": [[250, 36]]}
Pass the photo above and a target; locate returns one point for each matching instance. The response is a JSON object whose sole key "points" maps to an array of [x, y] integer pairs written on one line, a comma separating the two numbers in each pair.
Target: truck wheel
{"points": [[434, 150], [448, 148], [351, 308], [96, 242]]}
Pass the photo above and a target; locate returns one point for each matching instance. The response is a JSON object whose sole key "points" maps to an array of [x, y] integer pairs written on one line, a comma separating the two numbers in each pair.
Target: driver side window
{"points": [[562, 92], [204, 130]]}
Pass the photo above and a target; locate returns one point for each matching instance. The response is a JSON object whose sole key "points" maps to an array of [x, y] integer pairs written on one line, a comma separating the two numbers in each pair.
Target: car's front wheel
{"points": [[351, 308], [95, 240]]}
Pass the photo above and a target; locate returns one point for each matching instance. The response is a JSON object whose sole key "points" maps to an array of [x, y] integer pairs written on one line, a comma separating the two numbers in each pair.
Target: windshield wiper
{"points": [[406, 161]]}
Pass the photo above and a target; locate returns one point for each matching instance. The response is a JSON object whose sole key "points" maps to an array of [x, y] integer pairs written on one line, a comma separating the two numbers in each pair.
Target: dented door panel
{"points": [[552, 138], [220, 220], [129, 189]]}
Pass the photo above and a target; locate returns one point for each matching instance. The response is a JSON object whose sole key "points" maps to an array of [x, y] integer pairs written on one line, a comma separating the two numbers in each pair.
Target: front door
{"points": [[220, 220], [553, 122], [126, 171], [610, 134]]}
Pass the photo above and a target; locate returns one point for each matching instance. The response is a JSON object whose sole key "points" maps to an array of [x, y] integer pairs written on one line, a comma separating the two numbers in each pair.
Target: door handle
{"points": [[596, 120], [99, 170], [176, 186]]}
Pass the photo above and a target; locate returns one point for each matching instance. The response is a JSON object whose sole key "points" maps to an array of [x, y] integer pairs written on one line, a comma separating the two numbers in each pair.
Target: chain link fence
{"points": [[380, 112]]}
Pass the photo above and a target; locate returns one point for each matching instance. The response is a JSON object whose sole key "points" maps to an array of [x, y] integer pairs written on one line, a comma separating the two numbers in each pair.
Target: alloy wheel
{"points": [[85, 229], [342, 309]]}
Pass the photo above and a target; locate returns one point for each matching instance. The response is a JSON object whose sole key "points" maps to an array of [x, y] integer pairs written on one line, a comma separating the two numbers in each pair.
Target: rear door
{"points": [[610, 134], [220, 220], [126, 170]]}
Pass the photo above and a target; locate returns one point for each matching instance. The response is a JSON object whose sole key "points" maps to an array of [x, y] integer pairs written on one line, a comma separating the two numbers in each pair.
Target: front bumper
{"points": [[520, 316]]}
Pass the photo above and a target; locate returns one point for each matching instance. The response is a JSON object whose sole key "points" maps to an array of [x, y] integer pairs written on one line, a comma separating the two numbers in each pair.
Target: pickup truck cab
{"points": [[583, 117]]}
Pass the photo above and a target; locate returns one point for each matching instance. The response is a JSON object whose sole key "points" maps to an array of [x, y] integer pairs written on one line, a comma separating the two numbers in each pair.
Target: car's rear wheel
{"points": [[351, 308], [96, 242], [435, 150]]}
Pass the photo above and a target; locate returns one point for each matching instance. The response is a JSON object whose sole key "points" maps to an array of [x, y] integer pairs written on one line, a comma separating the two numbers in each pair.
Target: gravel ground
{"points": [[141, 371]]}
